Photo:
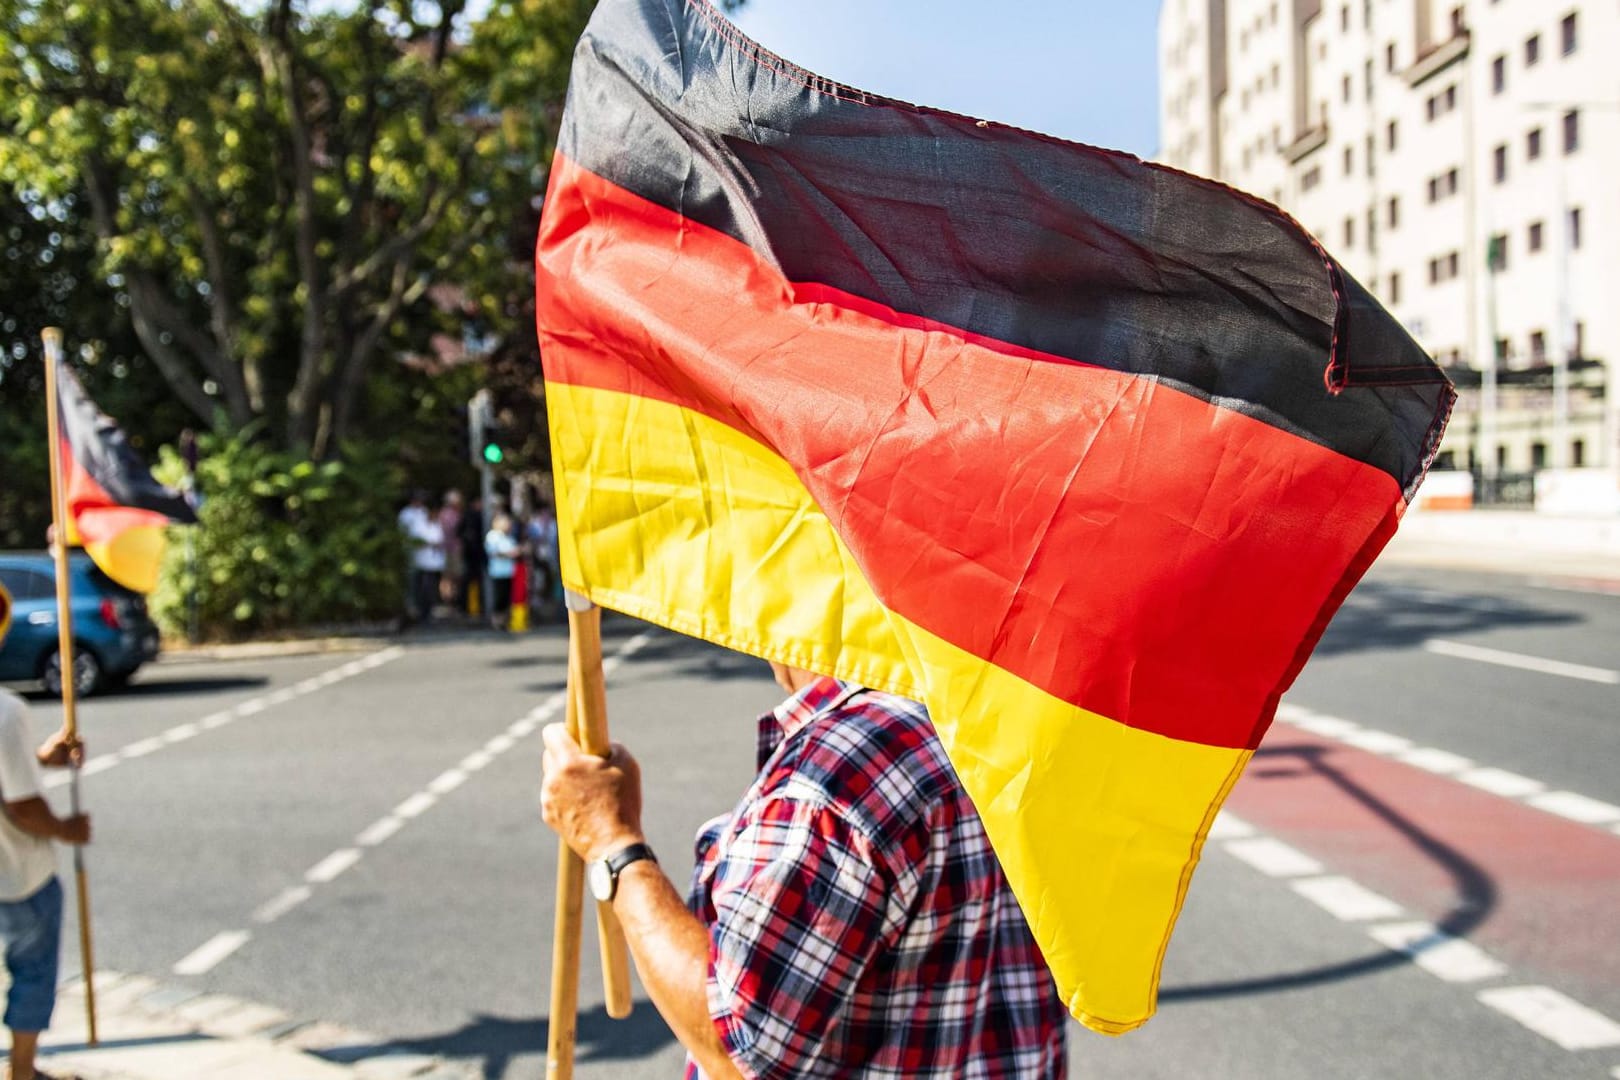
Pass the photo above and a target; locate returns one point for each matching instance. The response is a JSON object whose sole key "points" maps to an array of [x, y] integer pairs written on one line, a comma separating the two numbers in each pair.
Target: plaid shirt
{"points": [[859, 923]]}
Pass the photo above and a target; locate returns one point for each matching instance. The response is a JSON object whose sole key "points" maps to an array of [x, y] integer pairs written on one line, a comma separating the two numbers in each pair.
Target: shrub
{"points": [[282, 543]]}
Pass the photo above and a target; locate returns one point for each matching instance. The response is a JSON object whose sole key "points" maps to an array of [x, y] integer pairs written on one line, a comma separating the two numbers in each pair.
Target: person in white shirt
{"points": [[30, 894], [426, 537]]}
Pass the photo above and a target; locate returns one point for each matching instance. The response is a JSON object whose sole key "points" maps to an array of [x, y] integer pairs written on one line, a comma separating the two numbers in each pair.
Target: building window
{"points": [[1349, 160], [1458, 25], [1450, 186], [1538, 346], [1532, 144], [1499, 163], [1538, 455], [1344, 18], [1572, 131], [1499, 74], [1497, 254], [1444, 268], [1532, 50], [1432, 108], [1504, 351], [1577, 453], [1389, 57], [1566, 31], [1451, 97], [1349, 232], [1312, 177], [1453, 262], [1434, 189], [1367, 75], [1574, 228], [1502, 458], [1371, 156], [1390, 136], [1394, 288], [1535, 236], [1394, 212]]}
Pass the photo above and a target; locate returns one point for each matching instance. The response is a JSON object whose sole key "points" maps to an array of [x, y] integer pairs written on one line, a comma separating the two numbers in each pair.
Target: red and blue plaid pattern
{"points": [[859, 923]]}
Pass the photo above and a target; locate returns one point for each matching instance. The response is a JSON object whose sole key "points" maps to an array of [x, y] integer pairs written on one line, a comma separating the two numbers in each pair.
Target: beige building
{"points": [[1462, 159]]}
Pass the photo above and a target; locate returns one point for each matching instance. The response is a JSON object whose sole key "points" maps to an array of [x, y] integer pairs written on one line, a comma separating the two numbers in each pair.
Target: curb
{"points": [[147, 1028]]}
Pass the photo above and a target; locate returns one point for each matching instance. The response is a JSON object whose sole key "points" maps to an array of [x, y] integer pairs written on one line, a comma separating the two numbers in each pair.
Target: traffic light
{"points": [[494, 443]]}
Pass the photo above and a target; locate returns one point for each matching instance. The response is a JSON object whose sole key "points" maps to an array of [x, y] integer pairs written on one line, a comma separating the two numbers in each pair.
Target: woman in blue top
{"points": [[501, 547]]}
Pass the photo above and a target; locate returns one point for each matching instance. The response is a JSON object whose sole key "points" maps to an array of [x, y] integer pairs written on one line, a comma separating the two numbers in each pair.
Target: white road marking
{"points": [[1450, 958], [1345, 899], [1569, 805], [1229, 827], [1501, 782], [1522, 661], [1377, 742], [414, 805], [1554, 1016], [1435, 761], [289, 898], [191, 729], [380, 830], [331, 866], [1330, 726], [204, 958], [1273, 857], [1576, 807], [142, 747], [223, 945], [447, 781]]}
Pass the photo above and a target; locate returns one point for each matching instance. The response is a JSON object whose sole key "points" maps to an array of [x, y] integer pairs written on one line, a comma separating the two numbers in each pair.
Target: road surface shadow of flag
{"points": [[115, 509], [1082, 452]]}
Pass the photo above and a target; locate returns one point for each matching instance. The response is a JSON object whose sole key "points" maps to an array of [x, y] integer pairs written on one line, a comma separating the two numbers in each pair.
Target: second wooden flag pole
{"points": [[587, 723]]}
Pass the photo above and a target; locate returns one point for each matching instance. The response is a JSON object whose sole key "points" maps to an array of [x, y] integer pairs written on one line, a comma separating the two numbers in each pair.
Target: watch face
{"points": [[601, 879]]}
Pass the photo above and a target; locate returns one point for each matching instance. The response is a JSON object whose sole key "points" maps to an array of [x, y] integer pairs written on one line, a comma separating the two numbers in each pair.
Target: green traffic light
{"points": [[493, 453]]}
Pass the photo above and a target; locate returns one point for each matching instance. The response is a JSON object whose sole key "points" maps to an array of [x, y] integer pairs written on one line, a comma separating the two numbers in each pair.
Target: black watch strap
{"points": [[625, 856]]}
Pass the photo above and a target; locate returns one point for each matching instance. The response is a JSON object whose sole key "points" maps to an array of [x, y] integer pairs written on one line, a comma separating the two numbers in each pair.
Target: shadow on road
{"points": [[1383, 615], [153, 687], [1476, 892], [494, 1041]]}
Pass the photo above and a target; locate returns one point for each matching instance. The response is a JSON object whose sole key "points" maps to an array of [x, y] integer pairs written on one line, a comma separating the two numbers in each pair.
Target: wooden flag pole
{"points": [[64, 642], [587, 723]]}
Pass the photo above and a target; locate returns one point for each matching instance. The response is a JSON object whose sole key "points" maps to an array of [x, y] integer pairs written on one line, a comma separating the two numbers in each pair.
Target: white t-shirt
{"points": [[26, 862]]}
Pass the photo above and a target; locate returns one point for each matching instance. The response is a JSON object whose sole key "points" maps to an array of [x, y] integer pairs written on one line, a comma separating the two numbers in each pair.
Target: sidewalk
{"points": [[151, 1032], [1509, 542]]}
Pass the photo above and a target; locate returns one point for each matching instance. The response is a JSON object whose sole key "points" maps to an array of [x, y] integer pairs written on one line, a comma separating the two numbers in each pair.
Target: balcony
{"points": [[1438, 58]]}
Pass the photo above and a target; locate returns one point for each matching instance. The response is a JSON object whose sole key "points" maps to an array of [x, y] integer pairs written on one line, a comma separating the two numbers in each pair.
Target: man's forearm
{"points": [[35, 817], [671, 949]]}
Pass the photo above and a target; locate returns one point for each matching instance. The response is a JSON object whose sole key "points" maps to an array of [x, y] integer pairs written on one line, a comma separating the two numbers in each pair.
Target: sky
{"points": [[1084, 70]]}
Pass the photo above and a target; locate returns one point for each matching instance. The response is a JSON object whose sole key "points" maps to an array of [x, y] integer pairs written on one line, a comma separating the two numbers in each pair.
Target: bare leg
{"points": [[24, 1044]]}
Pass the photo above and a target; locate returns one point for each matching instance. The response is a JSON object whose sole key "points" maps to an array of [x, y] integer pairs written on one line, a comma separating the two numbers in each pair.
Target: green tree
{"points": [[279, 190]]}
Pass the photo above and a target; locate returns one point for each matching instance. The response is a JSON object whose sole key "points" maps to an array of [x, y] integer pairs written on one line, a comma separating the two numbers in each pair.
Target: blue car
{"points": [[112, 633]]}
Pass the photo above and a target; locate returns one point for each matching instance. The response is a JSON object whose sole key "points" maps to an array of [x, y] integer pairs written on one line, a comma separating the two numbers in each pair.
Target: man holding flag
{"points": [[848, 918], [1081, 452], [30, 894]]}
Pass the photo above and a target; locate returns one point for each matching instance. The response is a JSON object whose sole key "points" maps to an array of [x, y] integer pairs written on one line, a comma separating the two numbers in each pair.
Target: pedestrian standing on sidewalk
{"points": [[847, 919], [502, 550], [30, 894], [455, 562]]}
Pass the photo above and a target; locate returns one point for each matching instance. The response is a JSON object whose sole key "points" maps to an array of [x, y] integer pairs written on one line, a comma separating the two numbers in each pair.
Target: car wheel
{"points": [[87, 674]]}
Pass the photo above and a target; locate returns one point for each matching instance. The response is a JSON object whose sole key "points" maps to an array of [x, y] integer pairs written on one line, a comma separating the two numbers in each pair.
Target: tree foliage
{"points": [[283, 542], [287, 193]]}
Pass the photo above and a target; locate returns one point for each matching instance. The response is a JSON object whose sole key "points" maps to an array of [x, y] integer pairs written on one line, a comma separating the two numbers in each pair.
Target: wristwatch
{"points": [[604, 873]]}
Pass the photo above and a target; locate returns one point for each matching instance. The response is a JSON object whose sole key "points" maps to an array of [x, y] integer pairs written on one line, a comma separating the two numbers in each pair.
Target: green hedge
{"points": [[282, 543]]}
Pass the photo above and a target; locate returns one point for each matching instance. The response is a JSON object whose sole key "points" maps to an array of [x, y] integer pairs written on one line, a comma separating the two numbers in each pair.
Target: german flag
{"points": [[1082, 452], [116, 510]]}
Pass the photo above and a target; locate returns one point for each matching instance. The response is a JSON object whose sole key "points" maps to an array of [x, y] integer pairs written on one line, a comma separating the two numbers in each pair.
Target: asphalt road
{"points": [[353, 837]]}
